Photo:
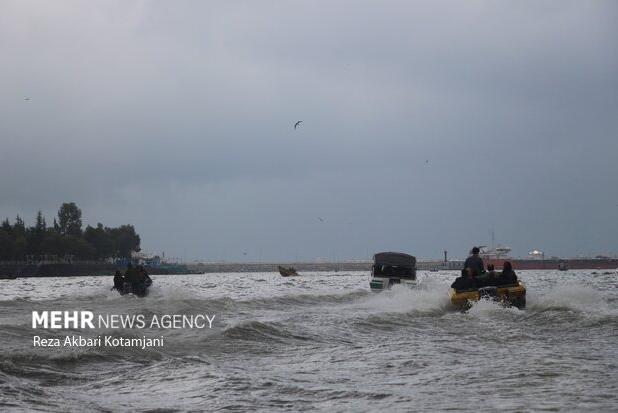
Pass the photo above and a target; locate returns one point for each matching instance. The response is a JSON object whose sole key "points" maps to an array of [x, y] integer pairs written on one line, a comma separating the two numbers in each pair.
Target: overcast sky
{"points": [[425, 124]]}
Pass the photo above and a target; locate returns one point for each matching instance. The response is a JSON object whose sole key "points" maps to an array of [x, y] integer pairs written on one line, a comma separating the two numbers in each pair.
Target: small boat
{"points": [[509, 295], [390, 268], [563, 266], [287, 271], [8, 276]]}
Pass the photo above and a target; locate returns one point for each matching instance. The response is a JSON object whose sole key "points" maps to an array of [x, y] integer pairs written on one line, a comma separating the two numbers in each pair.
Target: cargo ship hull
{"points": [[555, 264]]}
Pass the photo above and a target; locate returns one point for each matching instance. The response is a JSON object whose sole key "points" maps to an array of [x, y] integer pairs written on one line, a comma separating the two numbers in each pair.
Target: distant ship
{"points": [[537, 261]]}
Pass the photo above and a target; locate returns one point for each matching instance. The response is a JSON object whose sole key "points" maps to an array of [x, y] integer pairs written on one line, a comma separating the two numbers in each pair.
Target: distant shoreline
{"points": [[104, 269], [425, 265], [78, 269]]}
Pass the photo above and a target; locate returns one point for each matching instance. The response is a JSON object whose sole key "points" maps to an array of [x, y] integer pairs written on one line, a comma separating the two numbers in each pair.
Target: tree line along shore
{"points": [[64, 240]]}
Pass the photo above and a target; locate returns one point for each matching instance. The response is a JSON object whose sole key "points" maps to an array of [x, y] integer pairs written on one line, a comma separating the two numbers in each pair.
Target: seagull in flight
{"points": [[297, 124]]}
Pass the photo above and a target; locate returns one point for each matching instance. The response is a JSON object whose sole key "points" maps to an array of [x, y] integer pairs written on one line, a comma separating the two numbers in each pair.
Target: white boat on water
{"points": [[390, 268]]}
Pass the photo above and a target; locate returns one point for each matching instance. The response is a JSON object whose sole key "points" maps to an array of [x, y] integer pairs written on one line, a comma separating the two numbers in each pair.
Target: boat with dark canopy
{"points": [[390, 268]]}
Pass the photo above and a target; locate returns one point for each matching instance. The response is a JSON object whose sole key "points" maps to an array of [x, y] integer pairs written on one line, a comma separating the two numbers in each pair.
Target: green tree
{"points": [[36, 235], [40, 225], [6, 226], [52, 244], [79, 247], [101, 240], [55, 228], [6, 245], [124, 240], [65, 237], [63, 245], [20, 246], [19, 228], [70, 219]]}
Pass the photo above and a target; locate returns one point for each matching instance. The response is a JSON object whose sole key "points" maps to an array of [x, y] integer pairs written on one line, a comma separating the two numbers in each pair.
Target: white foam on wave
{"points": [[428, 295], [572, 295], [489, 308]]}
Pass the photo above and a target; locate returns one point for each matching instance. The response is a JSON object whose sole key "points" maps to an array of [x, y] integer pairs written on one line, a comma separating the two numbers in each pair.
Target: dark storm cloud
{"points": [[177, 116]]}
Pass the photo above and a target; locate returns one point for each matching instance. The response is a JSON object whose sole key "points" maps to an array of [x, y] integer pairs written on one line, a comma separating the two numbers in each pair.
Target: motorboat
{"points": [[508, 295], [391, 268]]}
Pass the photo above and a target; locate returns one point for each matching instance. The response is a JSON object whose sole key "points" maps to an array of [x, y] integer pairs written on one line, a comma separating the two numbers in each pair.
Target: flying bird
{"points": [[297, 124], [321, 219]]}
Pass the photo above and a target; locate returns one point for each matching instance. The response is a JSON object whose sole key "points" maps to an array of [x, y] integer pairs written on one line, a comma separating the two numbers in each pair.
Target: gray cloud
{"points": [[178, 117]]}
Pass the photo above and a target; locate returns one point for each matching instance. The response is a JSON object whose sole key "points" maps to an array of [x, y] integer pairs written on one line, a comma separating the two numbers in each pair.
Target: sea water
{"points": [[322, 341]]}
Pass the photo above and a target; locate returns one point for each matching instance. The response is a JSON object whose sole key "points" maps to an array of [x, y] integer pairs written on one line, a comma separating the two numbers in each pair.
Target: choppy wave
{"points": [[258, 331], [286, 344], [573, 296]]}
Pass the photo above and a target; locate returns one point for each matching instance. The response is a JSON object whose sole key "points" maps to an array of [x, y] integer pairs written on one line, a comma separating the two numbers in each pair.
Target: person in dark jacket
{"points": [[118, 281], [147, 279], [508, 276], [466, 281], [143, 276], [475, 262], [131, 275], [489, 278], [139, 281]]}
